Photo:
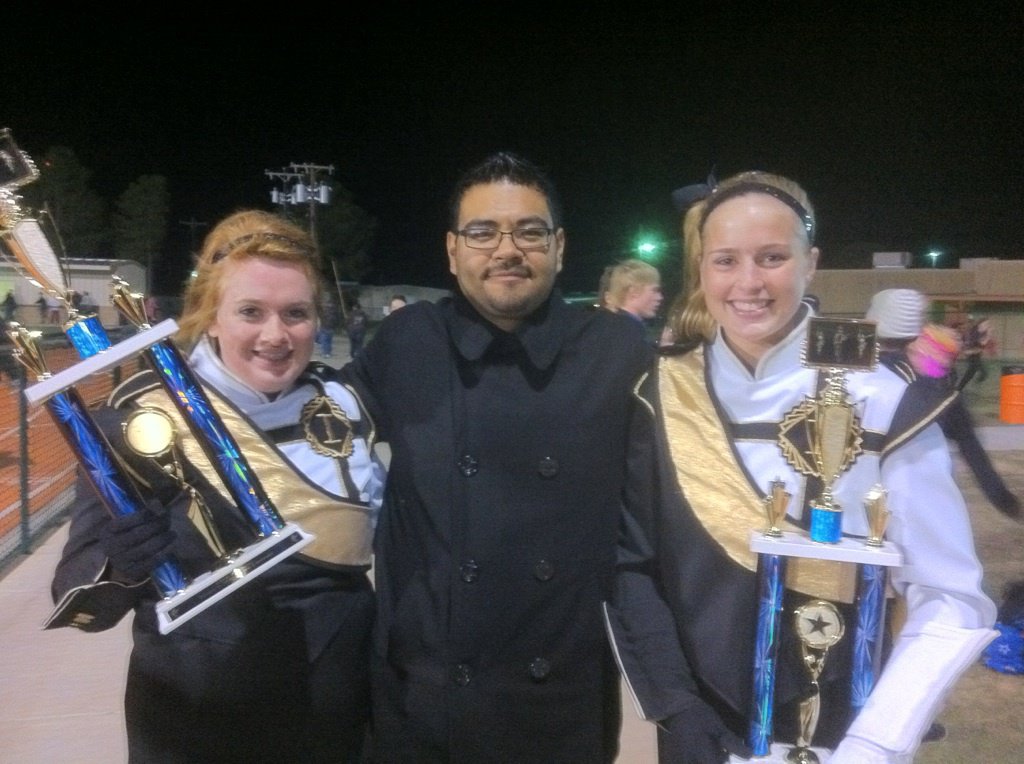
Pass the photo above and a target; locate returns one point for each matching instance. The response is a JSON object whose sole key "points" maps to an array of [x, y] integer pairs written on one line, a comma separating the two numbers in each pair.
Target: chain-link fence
{"points": [[37, 466]]}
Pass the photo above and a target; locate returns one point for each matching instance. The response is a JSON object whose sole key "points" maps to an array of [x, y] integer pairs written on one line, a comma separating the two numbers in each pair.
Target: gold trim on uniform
{"points": [[717, 488], [344, 531]]}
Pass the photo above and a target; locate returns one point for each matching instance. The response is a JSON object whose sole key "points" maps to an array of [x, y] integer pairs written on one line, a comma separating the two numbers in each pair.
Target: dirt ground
{"points": [[982, 716]]}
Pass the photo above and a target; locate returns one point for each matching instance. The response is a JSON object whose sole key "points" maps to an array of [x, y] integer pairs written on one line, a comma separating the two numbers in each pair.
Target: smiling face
{"points": [[507, 284], [265, 322], [755, 268]]}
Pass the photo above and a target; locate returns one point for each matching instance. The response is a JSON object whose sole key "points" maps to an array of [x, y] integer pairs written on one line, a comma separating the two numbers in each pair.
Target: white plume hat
{"points": [[899, 313]]}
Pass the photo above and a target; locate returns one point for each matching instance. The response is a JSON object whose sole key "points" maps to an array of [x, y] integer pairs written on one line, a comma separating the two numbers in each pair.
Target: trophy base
{"points": [[780, 753], [792, 544], [241, 568]]}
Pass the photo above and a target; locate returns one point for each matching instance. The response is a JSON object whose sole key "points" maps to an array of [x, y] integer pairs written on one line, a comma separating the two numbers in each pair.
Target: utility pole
{"points": [[302, 185], [192, 225]]}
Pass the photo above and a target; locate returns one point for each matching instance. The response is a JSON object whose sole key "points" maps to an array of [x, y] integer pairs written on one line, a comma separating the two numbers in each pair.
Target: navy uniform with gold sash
{"points": [[277, 671], [685, 610]]}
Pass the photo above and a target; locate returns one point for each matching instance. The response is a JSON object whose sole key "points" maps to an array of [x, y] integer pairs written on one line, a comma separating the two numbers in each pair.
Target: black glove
{"points": [[698, 736], [135, 543]]}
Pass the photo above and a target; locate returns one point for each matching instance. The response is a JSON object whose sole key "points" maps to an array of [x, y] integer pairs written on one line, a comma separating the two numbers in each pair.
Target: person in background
{"points": [[733, 398], [355, 329], [926, 354], [53, 308], [153, 312], [396, 302], [10, 306], [512, 423], [634, 288], [279, 669], [977, 343], [328, 325]]}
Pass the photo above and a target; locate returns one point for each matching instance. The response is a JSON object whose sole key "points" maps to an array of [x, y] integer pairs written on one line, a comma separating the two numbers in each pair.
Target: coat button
{"points": [[547, 467], [539, 669], [469, 571], [461, 674], [543, 570], [468, 465]]}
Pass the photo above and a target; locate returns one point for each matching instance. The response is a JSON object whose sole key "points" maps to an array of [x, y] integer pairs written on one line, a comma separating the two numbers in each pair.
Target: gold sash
{"points": [[343, 531], [717, 488]]}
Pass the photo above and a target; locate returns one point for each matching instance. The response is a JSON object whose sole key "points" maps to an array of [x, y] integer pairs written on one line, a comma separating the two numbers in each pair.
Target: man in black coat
{"points": [[513, 426]]}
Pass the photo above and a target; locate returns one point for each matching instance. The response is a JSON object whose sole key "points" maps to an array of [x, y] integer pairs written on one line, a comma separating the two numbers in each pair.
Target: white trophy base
{"points": [[124, 350], [790, 544], [778, 753], [241, 568]]}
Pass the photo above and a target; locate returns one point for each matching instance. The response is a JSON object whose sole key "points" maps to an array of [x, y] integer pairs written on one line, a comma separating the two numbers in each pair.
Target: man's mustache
{"points": [[517, 269]]}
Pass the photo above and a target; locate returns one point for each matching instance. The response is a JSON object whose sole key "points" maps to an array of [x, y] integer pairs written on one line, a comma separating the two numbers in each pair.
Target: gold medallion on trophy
{"points": [[150, 432], [820, 626]]}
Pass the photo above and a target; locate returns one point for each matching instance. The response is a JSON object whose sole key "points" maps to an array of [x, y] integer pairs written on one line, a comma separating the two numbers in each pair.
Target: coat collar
{"points": [[540, 336]]}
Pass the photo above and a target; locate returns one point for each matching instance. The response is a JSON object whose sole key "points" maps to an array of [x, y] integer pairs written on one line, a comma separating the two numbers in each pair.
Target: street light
{"points": [[647, 246], [934, 256], [302, 186]]}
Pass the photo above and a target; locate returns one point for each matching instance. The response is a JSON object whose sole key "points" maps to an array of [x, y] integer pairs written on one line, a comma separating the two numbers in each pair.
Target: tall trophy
{"points": [[820, 437], [272, 539]]}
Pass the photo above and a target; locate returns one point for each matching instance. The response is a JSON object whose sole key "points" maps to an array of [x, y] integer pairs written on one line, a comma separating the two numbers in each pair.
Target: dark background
{"points": [[904, 125]]}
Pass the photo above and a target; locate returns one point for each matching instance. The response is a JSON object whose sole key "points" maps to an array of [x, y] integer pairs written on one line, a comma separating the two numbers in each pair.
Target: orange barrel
{"points": [[1011, 395]]}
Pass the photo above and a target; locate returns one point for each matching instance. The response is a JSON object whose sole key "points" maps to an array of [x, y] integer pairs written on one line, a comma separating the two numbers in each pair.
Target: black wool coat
{"points": [[512, 456]]}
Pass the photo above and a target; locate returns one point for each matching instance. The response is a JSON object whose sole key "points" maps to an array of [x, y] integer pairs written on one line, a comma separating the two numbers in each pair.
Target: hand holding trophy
{"points": [[273, 539], [223, 444]]}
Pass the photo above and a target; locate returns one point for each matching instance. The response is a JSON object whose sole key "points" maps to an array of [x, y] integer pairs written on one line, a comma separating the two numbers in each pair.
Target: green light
{"points": [[648, 245], [648, 250]]}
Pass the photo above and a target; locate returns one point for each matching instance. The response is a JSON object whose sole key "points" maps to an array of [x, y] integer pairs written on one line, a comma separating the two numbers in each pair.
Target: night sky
{"points": [[904, 126]]}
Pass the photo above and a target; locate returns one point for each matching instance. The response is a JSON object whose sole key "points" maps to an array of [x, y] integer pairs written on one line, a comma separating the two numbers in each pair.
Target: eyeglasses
{"points": [[525, 239]]}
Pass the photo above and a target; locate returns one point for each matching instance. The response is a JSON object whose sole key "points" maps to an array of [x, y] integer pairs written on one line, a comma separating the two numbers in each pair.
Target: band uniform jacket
{"points": [[704, 643], [276, 671]]}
